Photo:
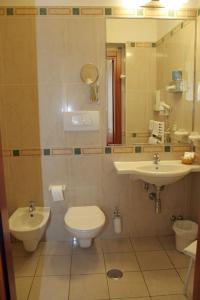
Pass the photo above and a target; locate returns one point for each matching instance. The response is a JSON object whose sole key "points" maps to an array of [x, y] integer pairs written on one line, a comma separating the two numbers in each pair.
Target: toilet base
{"points": [[85, 243], [30, 245]]}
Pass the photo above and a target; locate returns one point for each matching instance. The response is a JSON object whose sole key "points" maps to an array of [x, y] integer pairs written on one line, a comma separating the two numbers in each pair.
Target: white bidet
{"points": [[29, 227]]}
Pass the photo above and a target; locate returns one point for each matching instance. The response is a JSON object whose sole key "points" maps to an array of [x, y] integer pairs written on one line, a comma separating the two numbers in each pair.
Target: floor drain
{"points": [[114, 274]]}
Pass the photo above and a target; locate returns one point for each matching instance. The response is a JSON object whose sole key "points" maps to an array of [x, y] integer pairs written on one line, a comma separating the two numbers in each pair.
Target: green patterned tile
{"points": [[167, 148], [140, 12], [43, 11], [108, 150], [138, 149], [47, 152], [16, 152], [108, 11], [9, 11], [171, 13], [77, 151], [76, 11]]}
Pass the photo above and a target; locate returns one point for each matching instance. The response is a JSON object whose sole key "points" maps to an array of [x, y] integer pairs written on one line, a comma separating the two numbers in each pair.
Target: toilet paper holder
{"points": [[51, 186]]}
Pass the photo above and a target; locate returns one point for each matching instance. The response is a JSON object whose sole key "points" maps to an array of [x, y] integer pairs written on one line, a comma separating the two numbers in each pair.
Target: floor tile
{"points": [[163, 282], [55, 248], [94, 249], [19, 251], [130, 285], [53, 265], [50, 288], [153, 260], [116, 245], [182, 274], [25, 266], [179, 259], [88, 287], [122, 261], [168, 242], [170, 297], [146, 244], [23, 286], [87, 264], [143, 298]]}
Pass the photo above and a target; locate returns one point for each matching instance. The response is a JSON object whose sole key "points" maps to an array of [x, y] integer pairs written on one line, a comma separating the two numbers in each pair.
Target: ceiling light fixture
{"points": [[173, 4]]}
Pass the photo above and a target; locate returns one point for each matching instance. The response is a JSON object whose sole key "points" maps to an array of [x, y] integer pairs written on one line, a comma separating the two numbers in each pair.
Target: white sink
{"points": [[165, 172]]}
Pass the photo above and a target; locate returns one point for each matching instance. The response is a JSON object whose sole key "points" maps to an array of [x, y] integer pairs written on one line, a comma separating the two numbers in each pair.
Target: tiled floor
{"points": [[152, 268]]}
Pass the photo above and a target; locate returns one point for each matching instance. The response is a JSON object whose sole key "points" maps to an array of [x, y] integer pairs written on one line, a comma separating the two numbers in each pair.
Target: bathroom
{"points": [[43, 47]]}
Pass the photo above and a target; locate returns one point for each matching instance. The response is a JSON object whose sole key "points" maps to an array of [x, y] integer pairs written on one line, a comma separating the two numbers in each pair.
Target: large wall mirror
{"points": [[150, 80]]}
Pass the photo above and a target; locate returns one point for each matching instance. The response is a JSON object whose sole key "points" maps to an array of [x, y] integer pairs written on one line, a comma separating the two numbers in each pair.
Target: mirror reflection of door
{"points": [[114, 56]]}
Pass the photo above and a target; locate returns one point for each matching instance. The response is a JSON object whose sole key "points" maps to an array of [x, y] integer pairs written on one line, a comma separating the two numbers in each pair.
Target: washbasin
{"points": [[163, 173]]}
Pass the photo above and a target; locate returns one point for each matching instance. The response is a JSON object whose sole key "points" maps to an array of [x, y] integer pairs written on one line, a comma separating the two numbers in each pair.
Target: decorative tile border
{"points": [[92, 151], [2, 11], [59, 11], [92, 11], [152, 10], [62, 151], [25, 11], [30, 152], [122, 149], [113, 149]]}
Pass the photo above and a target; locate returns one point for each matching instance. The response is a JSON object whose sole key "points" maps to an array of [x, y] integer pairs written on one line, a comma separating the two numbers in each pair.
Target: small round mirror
{"points": [[89, 74]]}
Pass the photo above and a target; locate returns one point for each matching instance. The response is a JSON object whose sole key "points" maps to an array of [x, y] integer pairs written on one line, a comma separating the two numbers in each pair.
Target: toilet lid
{"points": [[84, 217]]}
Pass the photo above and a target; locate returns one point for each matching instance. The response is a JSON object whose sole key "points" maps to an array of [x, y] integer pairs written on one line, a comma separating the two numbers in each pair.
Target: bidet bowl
{"points": [[27, 227]]}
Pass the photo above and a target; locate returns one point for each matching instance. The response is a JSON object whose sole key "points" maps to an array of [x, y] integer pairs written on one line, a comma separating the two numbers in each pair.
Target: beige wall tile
{"points": [[20, 119], [23, 182], [18, 33]]}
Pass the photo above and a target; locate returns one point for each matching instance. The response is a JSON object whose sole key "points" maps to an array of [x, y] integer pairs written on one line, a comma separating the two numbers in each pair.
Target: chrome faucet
{"points": [[156, 158], [31, 207]]}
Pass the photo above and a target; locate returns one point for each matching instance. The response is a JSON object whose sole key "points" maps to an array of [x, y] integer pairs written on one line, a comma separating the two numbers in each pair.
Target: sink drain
{"points": [[114, 274]]}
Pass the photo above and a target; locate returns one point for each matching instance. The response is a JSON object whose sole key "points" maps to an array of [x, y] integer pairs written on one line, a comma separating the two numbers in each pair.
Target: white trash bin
{"points": [[186, 232]]}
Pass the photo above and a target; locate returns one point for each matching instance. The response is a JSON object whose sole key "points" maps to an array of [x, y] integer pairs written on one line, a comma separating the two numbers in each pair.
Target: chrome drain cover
{"points": [[114, 274]]}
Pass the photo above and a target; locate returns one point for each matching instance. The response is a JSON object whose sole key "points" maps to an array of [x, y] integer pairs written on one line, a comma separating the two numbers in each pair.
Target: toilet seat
{"points": [[84, 218]]}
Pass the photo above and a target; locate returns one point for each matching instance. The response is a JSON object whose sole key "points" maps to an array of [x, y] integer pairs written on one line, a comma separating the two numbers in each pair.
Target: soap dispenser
{"points": [[117, 221]]}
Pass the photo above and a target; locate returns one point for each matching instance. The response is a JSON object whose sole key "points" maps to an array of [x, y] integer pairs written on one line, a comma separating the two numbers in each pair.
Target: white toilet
{"points": [[84, 223]]}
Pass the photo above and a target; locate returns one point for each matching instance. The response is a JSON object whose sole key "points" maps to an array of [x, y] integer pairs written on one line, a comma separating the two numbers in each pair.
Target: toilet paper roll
{"points": [[57, 192]]}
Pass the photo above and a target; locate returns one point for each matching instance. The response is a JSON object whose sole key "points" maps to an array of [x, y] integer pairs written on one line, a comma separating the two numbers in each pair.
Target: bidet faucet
{"points": [[31, 207], [156, 158]]}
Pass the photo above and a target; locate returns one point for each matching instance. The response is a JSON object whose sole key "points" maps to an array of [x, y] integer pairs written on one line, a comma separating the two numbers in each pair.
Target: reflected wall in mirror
{"points": [[150, 80]]}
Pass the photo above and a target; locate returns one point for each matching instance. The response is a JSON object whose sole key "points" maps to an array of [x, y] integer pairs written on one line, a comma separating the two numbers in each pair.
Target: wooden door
{"points": [[7, 283], [115, 55], [196, 293]]}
